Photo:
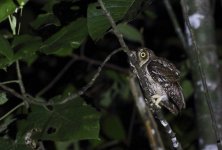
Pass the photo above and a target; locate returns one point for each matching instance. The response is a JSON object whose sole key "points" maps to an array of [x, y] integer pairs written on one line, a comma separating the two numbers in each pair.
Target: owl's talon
{"points": [[155, 100]]}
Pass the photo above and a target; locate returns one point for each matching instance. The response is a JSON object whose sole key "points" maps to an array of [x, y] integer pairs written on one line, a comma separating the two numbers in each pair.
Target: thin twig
{"points": [[27, 98], [85, 88], [114, 27], [69, 64], [96, 62], [21, 85], [175, 23], [12, 91], [9, 82], [58, 76], [202, 75], [13, 109]]}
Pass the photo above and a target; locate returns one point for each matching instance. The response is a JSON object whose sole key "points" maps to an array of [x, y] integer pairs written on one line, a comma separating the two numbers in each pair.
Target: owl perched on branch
{"points": [[159, 80]]}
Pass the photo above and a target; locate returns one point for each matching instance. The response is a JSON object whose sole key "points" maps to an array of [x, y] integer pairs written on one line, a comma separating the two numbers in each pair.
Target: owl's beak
{"points": [[141, 64]]}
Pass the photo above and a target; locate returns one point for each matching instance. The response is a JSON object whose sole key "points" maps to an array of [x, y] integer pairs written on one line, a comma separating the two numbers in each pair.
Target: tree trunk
{"points": [[202, 26]]}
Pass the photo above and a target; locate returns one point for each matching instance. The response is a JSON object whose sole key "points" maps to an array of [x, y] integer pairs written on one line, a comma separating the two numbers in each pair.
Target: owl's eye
{"points": [[143, 55]]}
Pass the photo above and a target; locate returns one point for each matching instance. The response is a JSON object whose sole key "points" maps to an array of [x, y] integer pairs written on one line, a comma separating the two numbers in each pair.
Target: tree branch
{"points": [[174, 142], [21, 85], [150, 125], [9, 82], [197, 53], [26, 98], [175, 23], [11, 111], [12, 91], [96, 62]]}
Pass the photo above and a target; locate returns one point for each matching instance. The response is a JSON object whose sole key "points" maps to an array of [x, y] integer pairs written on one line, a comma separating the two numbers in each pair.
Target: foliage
{"points": [[64, 41]]}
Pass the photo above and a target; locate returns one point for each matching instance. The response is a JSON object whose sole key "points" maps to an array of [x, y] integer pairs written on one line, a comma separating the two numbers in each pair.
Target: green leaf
{"points": [[22, 2], [74, 120], [5, 48], [113, 128], [63, 145], [48, 7], [6, 53], [7, 7], [45, 19], [7, 144], [98, 23], [68, 38], [6, 122], [4, 63], [120, 86], [130, 33], [106, 98], [3, 98], [26, 47], [187, 88]]}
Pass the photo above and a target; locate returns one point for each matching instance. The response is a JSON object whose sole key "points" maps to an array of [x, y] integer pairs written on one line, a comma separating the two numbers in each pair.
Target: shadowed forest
{"points": [[68, 81]]}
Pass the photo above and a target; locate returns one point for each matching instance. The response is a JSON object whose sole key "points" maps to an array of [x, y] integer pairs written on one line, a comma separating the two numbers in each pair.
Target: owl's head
{"points": [[144, 55]]}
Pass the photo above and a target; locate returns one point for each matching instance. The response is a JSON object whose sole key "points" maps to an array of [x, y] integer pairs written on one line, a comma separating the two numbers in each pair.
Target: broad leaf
{"points": [[187, 88], [45, 19], [22, 2], [74, 120], [5, 48], [113, 128], [7, 7], [26, 47], [48, 7], [98, 23], [130, 33], [4, 63], [7, 144], [68, 38]]}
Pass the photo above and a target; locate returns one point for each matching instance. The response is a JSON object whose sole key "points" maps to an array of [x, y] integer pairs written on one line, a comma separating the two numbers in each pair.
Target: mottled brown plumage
{"points": [[164, 80]]}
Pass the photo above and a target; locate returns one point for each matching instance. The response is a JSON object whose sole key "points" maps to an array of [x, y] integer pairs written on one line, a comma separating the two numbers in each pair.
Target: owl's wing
{"points": [[166, 74], [164, 70]]}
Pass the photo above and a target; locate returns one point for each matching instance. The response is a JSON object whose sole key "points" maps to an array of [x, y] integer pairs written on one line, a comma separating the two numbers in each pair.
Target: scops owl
{"points": [[163, 78]]}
